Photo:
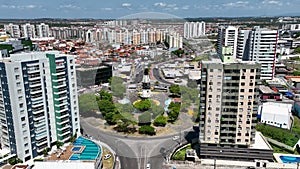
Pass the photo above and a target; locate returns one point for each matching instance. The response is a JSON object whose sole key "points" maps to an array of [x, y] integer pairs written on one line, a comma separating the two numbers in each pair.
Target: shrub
{"points": [[160, 121], [149, 130]]}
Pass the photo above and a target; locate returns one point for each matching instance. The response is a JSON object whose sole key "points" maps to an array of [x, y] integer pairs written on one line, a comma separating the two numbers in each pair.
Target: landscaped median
{"points": [[180, 154]]}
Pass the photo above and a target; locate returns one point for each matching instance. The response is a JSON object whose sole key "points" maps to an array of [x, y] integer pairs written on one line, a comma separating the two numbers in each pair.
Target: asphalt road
{"points": [[126, 155], [136, 152], [157, 76]]}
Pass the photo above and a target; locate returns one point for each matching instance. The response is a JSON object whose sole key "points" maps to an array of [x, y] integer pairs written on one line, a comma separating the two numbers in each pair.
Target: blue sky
{"points": [[120, 8]]}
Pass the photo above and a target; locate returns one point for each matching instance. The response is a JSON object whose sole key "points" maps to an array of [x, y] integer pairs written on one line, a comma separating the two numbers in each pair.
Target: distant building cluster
{"points": [[135, 36], [258, 44], [27, 30], [194, 29]]}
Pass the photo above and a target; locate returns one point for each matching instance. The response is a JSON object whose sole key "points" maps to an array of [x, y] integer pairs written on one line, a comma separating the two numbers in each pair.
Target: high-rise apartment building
{"points": [[194, 29], [243, 44], [13, 30], [42, 30], [228, 102], [38, 102], [28, 30], [227, 42], [262, 49]]}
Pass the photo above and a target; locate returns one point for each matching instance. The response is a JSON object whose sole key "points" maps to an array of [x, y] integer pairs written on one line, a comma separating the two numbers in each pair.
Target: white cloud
{"points": [[171, 5], [236, 4], [20, 6], [68, 6], [126, 4], [160, 4], [107, 9], [186, 7], [272, 2]]}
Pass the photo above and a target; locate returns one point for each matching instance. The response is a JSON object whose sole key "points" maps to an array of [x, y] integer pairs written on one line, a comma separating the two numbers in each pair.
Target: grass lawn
{"points": [[180, 155], [296, 127], [277, 149], [278, 134], [109, 163]]}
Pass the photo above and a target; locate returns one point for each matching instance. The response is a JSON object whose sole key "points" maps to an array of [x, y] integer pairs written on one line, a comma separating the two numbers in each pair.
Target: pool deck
{"points": [[61, 154]]}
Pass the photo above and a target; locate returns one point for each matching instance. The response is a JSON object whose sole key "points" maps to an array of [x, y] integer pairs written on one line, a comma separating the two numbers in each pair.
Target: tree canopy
{"points": [[87, 103]]}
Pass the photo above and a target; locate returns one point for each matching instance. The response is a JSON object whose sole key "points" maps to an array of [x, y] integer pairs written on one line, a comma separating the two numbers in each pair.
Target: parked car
{"points": [[107, 156]]}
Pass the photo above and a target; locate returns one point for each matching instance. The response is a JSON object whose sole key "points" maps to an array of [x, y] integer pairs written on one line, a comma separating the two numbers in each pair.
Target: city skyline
{"points": [[95, 9]]}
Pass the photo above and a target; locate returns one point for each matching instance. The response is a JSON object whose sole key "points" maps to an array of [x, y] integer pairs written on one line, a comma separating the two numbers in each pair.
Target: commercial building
{"points": [[276, 114], [228, 110], [38, 102], [90, 76]]}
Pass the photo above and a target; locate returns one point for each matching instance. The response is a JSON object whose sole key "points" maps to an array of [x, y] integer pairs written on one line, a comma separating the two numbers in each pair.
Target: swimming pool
{"points": [[167, 103], [289, 159], [76, 148], [91, 150]]}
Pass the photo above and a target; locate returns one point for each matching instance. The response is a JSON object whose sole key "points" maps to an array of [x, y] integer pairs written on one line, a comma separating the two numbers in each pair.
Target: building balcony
{"points": [[59, 80], [32, 78], [60, 85], [63, 122], [63, 128], [61, 92], [61, 98], [42, 142], [64, 133], [58, 74]]}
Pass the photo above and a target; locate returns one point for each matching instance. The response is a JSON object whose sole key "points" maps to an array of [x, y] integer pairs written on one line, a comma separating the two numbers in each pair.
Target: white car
{"points": [[175, 138], [107, 156], [148, 166]]}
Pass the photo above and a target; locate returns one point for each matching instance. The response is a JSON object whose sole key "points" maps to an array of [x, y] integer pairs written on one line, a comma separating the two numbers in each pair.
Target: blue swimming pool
{"points": [[76, 148], [167, 103], [289, 159], [91, 150]]}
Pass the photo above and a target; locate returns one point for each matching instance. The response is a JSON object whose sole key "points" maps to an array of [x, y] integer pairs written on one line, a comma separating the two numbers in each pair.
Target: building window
{"points": [[242, 97], [17, 77], [251, 77], [211, 70], [243, 77], [243, 84], [241, 103], [218, 90], [240, 109], [252, 70], [209, 96], [250, 90], [211, 76], [242, 90], [218, 108], [219, 77]]}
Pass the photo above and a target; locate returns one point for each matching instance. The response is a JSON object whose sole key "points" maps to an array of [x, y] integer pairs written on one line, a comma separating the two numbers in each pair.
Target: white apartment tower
{"points": [[38, 102], [227, 38], [28, 30], [42, 30], [259, 44], [194, 29], [13, 30]]}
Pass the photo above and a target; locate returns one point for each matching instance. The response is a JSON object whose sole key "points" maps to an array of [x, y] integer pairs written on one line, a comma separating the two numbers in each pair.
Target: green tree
{"points": [[59, 144], [160, 121], [145, 118], [297, 50], [174, 109], [296, 73], [117, 87], [143, 105], [149, 130], [87, 103], [175, 89], [192, 84], [156, 110], [104, 95], [106, 106]]}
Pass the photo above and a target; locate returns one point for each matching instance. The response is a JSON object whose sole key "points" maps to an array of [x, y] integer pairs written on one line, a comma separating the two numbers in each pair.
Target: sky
{"points": [[114, 9]]}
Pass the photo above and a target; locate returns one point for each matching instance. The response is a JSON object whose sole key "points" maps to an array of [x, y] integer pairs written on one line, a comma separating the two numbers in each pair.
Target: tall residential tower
{"points": [[38, 102]]}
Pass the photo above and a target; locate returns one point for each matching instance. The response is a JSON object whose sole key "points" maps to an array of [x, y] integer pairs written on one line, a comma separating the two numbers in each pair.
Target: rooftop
{"points": [[266, 90], [260, 142]]}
